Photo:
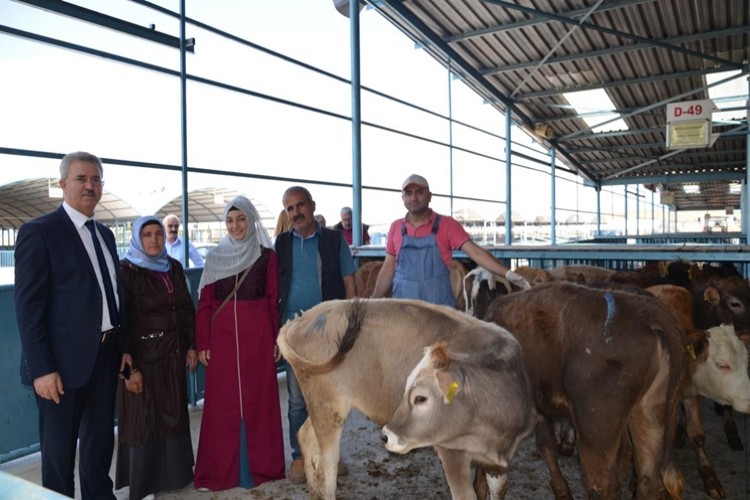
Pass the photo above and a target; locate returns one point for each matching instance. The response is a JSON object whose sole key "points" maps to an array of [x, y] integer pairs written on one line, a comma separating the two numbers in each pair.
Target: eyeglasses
{"points": [[82, 180]]}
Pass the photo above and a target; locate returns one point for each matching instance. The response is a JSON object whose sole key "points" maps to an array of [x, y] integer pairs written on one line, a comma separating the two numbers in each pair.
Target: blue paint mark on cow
{"points": [[318, 325], [610, 317]]}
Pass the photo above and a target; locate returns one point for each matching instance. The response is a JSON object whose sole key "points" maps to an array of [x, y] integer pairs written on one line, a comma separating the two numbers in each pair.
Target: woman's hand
{"points": [[204, 356], [191, 359], [276, 353], [135, 383]]}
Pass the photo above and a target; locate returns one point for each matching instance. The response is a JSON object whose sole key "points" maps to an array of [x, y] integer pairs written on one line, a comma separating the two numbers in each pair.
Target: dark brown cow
{"points": [[612, 362], [358, 354]]}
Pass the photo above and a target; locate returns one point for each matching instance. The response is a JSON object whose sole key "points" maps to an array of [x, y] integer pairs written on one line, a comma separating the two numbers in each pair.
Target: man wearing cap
{"points": [[420, 247], [345, 226]]}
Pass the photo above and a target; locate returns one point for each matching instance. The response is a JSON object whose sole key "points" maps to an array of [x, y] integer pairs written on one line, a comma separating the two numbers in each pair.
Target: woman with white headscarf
{"points": [[155, 452], [237, 322]]}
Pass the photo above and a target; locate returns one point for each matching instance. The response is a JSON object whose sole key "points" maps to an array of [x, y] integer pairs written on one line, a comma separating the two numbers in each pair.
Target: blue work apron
{"points": [[420, 270]]}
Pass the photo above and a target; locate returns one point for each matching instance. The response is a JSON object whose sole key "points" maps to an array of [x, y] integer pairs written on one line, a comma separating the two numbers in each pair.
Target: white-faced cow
{"points": [[717, 301], [358, 354], [612, 362], [717, 370]]}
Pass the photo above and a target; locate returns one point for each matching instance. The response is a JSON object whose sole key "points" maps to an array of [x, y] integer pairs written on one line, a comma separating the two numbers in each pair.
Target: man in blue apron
{"points": [[420, 247]]}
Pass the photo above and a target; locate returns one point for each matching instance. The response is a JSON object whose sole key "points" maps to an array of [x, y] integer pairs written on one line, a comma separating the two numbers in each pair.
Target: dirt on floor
{"points": [[374, 473]]}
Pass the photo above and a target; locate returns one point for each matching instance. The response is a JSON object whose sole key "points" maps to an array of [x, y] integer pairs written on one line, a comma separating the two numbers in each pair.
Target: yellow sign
{"points": [[689, 134]]}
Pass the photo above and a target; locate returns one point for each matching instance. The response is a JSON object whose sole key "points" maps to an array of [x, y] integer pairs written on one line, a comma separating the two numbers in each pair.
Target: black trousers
{"points": [[86, 413]]}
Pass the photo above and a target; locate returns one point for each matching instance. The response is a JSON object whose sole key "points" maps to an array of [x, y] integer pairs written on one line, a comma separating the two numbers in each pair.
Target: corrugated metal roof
{"points": [[643, 53]]}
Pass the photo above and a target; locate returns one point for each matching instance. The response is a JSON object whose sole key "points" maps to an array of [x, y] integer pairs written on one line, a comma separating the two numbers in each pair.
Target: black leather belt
{"points": [[108, 334]]}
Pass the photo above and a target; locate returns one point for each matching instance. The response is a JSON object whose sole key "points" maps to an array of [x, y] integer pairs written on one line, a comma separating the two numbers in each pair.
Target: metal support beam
{"points": [[183, 137], [553, 218], [94, 17], [357, 234], [508, 207]]}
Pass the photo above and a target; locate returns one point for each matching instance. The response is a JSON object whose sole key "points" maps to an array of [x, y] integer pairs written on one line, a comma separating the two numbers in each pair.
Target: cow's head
{"points": [[728, 301], [425, 414], [480, 289], [719, 366]]}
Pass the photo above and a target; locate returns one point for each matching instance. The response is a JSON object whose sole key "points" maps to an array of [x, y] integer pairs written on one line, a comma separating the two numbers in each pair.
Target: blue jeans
{"points": [[297, 410]]}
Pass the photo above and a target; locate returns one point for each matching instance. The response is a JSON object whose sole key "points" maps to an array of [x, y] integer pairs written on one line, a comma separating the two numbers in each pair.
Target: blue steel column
{"points": [[450, 133], [191, 376], [743, 191], [356, 124], [599, 211], [183, 132], [508, 208], [183, 139], [626, 209], [653, 213], [637, 209], [553, 218]]}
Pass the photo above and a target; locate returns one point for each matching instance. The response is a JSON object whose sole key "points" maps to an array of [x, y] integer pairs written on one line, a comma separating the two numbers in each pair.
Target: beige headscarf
{"points": [[231, 257]]}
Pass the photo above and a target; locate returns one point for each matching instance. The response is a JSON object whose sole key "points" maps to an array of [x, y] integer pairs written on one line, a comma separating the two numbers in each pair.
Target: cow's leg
{"points": [[697, 436], [730, 429], [492, 479], [657, 475], [546, 444], [310, 448], [480, 482], [320, 441], [567, 436], [457, 468]]}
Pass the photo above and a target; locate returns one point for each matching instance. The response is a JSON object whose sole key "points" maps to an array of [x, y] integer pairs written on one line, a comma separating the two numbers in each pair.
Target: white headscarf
{"points": [[231, 257]]}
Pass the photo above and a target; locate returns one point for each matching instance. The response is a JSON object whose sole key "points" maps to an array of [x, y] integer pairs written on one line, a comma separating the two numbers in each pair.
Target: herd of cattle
{"points": [[616, 359]]}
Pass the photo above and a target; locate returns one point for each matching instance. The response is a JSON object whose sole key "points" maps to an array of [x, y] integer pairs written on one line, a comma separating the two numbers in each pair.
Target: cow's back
{"points": [[574, 338], [391, 339]]}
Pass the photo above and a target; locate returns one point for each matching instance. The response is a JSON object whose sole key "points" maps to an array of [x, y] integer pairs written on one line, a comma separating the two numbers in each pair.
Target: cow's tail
{"points": [[673, 342], [355, 318]]}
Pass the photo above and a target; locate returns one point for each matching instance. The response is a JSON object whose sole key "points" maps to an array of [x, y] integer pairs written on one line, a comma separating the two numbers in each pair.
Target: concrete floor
{"points": [[29, 468], [376, 474]]}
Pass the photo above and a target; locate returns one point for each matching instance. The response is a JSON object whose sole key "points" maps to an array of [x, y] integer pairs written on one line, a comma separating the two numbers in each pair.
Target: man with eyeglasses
{"points": [[69, 308], [175, 246]]}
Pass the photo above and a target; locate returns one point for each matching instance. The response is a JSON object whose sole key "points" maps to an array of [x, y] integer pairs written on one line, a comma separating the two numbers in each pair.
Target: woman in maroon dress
{"points": [[241, 440]]}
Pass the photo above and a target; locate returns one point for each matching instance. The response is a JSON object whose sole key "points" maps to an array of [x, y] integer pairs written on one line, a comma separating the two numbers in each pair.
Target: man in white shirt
{"points": [[174, 244]]}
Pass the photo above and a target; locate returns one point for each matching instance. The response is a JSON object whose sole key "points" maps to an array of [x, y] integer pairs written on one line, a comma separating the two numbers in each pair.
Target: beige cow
{"points": [[359, 354]]}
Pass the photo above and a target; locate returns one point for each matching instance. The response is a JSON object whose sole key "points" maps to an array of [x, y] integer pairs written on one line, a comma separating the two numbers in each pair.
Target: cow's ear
{"points": [[744, 337], [711, 295], [450, 383], [697, 343]]}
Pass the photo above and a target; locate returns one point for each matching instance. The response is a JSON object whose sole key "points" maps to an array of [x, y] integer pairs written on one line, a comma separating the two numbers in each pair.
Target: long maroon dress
{"points": [[240, 379]]}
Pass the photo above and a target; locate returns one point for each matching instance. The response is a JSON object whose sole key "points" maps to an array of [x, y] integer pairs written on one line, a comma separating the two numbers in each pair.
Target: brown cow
{"points": [[612, 362], [534, 275], [358, 354], [367, 274], [590, 274]]}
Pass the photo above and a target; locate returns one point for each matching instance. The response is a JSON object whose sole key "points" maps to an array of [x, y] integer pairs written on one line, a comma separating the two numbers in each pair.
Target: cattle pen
{"points": [[190, 103]]}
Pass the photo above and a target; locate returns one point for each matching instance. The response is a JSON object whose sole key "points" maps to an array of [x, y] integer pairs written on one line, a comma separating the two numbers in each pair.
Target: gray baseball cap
{"points": [[416, 180]]}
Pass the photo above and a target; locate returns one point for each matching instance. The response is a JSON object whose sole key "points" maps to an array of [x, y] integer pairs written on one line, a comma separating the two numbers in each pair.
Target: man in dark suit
{"points": [[68, 295]]}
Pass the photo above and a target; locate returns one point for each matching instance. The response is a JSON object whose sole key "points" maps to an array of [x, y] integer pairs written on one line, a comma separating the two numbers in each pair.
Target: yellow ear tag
{"points": [[451, 391], [691, 352]]}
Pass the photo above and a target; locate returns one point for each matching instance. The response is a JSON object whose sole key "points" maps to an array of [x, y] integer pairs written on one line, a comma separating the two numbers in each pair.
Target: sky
{"points": [[59, 100]]}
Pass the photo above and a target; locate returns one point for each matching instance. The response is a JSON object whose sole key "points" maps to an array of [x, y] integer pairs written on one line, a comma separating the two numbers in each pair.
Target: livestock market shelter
{"points": [[525, 59]]}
